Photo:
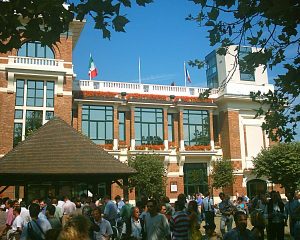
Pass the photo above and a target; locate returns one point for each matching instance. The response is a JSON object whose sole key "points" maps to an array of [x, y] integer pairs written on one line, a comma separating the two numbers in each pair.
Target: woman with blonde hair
{"points": [[76, 228]]}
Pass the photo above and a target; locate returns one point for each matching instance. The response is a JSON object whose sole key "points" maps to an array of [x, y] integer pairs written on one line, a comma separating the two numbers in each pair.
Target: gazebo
{"points": [[58, 160]]}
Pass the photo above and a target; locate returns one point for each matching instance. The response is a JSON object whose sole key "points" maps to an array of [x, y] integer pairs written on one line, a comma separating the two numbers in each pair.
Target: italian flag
{"points": [[92, 68]]}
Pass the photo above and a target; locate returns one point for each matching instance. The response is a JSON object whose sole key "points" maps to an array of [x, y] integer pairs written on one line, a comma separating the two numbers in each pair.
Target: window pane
{"points": [[93, 130], [109, 130], [85, 127], [34, 120], [17, 133], [19, 101], [30, 102], [39, 85], [39, 102], [18, 114], [49, 53], [30, 49], [49, 115], [39, 93], [101, 130], [49, 103], [31, 84]]}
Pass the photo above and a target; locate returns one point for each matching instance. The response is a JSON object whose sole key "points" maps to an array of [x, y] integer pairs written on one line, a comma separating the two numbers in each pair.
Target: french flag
{"points": [[187, 75]]}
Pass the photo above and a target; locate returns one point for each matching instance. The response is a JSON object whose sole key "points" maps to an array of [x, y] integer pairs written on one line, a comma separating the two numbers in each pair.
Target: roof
{"points": [[57, 148]]}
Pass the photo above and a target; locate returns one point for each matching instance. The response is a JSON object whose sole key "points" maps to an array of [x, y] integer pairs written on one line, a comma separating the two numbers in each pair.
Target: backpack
{"points": [[32, 234]]}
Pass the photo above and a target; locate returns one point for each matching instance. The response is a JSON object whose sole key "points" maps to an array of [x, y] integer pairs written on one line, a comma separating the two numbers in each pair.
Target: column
{"points": [[211, 130], [165, 121], [132, 132], [180, 127], [116, 128]]}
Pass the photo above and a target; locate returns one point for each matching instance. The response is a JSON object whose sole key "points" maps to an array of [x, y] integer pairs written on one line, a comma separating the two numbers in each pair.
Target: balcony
{"points": [[154, 89], [32, 63]]}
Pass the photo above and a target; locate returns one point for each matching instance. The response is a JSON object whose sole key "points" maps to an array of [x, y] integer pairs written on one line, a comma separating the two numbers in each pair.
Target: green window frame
{"points": [[122, 127], [170, 127], [148, 124], [97, 123], [245, 75], [20, 92], [196, 127], [50, 94]]}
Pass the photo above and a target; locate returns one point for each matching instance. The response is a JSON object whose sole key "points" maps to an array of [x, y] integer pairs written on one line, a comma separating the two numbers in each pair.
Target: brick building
{"points": [[127, 119]]}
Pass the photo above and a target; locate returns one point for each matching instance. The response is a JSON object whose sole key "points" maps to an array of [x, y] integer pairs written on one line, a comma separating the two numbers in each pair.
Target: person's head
{"points": [[97, 214], [181, 198], [135, 212], [54, 201], [222, 196], [66, 198], [192, 206], [34, 210], [77, 228], [163, 208], [207, 194], [165, 199], [209, 229], [118, 198], [239, 200], [17, 211], [50, 210], [152, 206], [240, 219], [106, 199], [9, 203], [43, 203], [52, 234], [179, 206]]}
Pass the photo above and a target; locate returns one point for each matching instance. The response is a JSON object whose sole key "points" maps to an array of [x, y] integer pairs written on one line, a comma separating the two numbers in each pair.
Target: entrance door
{"points": [[195, 178], [255, 187]]}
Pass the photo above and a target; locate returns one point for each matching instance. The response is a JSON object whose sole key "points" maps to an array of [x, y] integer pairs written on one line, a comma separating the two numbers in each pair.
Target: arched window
{"points": [[35, 49]]}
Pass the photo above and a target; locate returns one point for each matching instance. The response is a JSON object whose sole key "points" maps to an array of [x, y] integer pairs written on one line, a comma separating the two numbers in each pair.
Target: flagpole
{"points": [[90, 69], [184, 71], [140, 81]]}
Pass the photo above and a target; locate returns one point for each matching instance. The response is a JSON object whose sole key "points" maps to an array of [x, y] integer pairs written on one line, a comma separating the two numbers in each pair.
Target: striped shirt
{"points": [[179, 224]]}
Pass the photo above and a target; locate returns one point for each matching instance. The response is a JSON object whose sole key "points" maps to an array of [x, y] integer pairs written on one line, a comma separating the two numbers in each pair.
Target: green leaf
{"points": [[126, 3], [213, 14], [119, 23]]}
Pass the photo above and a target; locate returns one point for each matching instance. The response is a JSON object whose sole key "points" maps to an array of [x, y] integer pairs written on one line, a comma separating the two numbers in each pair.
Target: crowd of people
{"points": [[86, 218]]}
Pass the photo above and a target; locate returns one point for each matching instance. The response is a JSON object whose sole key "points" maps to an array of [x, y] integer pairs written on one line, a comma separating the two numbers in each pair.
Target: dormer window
{"points": [[35, 49]]}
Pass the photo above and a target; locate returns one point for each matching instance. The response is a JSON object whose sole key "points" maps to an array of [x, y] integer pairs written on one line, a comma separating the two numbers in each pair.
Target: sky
{"points": [[158, 34]]}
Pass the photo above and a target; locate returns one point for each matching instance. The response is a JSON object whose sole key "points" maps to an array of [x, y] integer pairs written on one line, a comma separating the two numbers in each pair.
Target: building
{"points": [[127, 119]]}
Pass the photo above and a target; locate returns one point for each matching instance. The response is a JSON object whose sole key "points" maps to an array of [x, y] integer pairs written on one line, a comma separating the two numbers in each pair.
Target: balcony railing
{"points": [[36, 63], [118, 87]]}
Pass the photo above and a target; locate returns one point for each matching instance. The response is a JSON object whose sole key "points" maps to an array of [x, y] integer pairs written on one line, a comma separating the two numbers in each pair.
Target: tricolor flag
{"points": [[187, 75], [92, 68]]}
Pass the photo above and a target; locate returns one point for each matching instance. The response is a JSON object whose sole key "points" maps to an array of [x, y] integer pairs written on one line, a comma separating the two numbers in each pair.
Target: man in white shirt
{"points": [[105, 228], [17, 226]]}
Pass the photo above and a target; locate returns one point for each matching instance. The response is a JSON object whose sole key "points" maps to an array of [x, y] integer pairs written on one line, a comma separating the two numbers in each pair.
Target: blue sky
{"points": [[158, 34]]}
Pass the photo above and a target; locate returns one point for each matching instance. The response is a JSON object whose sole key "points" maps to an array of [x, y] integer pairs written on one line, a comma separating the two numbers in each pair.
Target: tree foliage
{"points": [[150, 179], [280, 164], [222, 174], [273, 27], [45, 20]]}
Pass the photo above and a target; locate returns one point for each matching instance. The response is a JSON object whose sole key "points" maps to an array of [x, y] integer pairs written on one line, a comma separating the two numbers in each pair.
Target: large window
{"points": [[245, 74], [148, 126], [34, 106], [196, 127], [35, 93], [171, 127], [122, 133], [35, 49], [97, 123], [195, 178], [211, 71]]}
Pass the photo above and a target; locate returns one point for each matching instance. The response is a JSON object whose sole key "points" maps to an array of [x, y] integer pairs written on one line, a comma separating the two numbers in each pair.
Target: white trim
{"points": [[173, 174], [2, 89]]}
